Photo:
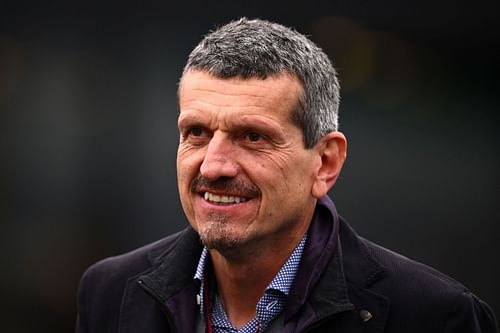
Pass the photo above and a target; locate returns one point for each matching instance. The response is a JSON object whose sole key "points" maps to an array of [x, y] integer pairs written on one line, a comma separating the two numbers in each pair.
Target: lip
{"points": [[223, 199], [240, 208], [245, 198], [220, 192], [223, 192], [239, 187]]}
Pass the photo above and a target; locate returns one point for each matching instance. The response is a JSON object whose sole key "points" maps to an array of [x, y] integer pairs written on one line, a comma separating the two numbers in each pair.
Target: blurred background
{"points": [[88, 134]]}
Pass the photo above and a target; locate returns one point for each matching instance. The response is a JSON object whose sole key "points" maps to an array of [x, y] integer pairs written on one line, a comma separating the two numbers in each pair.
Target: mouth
{"points": [[219, 199]]}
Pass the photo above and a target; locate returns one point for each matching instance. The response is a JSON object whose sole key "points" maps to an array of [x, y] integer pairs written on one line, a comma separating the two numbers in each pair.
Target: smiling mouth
{"points": [[223, 199]]}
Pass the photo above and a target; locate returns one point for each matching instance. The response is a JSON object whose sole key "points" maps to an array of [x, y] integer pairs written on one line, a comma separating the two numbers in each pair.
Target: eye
{"points": [[254, 136], [195, 131], [195, 134]]}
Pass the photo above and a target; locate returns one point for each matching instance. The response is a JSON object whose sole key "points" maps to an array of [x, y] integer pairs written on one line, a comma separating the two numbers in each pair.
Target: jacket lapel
{"points": [[362, 271], [163, 299]]}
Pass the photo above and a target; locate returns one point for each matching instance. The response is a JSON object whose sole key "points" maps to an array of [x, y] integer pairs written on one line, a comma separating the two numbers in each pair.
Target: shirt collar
{"points": [[283, 279], [200, 269], [282, 282]]}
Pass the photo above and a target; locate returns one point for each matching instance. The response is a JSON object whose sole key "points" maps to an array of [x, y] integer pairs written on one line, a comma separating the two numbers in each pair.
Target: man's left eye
{"points": [[254, 136]]}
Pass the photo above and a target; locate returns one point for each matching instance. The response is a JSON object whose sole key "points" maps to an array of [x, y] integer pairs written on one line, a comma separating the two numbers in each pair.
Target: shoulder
{"points": [[103, 284], [424, 294], [105, 281], [410, 273], [370, 264], [416, 292], [121, 267]]}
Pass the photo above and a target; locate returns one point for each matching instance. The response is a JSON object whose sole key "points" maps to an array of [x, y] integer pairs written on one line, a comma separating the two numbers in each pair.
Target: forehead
{"points": [[201, 90]]}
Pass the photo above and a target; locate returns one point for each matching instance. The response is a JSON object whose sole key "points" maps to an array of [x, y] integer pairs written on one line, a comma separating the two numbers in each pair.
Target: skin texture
{"points": [[237, 140]]}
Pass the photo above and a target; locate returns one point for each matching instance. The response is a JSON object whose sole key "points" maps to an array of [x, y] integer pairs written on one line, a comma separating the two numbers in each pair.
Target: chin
{"points": [[229, 245], [220, 241]]}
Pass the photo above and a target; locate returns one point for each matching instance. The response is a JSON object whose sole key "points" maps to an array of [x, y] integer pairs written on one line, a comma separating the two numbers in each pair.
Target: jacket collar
{"points": [[336, 268], [347, 251], [175, 266], [171, 281], [319, 287]]}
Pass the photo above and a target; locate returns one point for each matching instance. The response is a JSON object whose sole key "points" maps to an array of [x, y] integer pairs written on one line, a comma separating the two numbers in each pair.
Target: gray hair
{"points": [[258, 49]]}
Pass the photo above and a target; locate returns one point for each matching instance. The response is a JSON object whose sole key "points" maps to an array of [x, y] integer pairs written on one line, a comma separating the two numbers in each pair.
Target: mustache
{"points": [[225, 184]]}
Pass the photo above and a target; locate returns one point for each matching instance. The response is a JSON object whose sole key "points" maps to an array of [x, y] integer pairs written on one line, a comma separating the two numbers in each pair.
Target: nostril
{"points": [[215, 168]]}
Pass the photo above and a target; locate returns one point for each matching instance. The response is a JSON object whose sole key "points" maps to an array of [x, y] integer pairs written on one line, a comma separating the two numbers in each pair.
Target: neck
{"points": [[241, 281]]}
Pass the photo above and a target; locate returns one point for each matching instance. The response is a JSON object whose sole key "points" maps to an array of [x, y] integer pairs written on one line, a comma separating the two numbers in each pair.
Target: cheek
{"points": [[293, 175], [287, 166], [274, 162], [185, 174], [188, 164]]}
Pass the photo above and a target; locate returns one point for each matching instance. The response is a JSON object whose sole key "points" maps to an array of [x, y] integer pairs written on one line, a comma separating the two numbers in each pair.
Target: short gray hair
{"points": [[258, 49]]}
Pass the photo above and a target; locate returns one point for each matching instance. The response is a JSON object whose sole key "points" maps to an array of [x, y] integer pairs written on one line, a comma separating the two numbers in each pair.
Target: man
{"points": [[266, 250]]}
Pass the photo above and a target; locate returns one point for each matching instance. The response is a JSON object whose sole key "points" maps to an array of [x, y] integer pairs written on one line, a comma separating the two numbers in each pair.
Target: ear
{"points": [[332, 150]]}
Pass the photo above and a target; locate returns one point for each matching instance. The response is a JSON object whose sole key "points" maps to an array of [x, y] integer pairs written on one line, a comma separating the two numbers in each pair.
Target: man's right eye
{"points": [[195, 131]]}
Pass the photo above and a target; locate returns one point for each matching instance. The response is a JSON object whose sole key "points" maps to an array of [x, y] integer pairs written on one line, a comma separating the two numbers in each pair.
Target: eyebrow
{"points": [[190, 118], [261, 123]]}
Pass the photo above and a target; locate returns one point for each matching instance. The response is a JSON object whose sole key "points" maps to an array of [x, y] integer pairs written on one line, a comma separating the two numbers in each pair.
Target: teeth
{"points": [[227, 199]]}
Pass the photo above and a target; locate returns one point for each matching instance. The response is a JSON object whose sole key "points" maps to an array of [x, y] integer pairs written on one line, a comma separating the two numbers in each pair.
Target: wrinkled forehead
{"points": [[202, 74], [281, 90]]}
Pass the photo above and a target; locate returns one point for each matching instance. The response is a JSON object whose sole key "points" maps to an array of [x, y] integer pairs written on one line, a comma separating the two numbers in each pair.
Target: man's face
{"points": [[244, 175]]}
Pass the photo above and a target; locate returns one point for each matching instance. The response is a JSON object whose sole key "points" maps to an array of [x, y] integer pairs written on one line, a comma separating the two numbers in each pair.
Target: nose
{"points": [[219, 160]]}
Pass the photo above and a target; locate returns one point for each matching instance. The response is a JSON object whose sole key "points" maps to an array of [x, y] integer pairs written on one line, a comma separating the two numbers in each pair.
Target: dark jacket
{"points": [[345, 284]]}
